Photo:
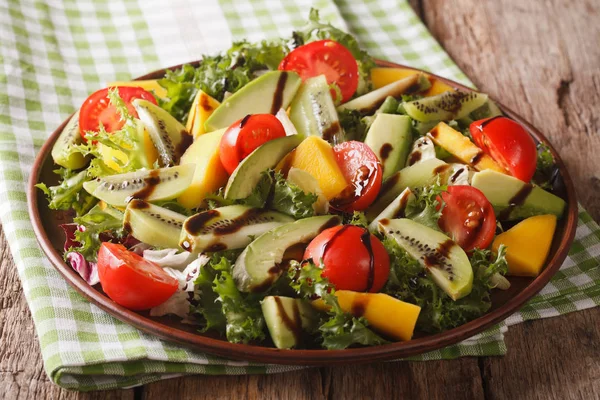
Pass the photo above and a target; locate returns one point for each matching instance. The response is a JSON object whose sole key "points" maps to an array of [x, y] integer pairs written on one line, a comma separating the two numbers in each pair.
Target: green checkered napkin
{"points": [[53, 55]]}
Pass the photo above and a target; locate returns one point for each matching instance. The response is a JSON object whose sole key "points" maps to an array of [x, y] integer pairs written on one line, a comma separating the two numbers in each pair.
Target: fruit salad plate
{"points": [[47, 222]]}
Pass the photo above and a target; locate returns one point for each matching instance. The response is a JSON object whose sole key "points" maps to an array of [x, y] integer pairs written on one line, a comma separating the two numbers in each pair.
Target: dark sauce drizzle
{"points": [[517, 200], [365, 238], [278, 95], [294, 324], [150, 183]]}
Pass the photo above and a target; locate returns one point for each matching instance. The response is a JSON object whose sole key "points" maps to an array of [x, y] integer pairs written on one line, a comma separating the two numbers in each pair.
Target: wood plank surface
{"points": [[540, 58]]}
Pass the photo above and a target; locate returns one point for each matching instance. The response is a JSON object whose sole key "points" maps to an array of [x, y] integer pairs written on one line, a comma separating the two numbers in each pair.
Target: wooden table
{"points": [[541, 59]]}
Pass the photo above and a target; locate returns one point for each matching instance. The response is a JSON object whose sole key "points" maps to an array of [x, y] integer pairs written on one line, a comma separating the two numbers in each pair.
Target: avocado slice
{"points": [[287, 319], [264, 95], [259, 264], [418, 175], [514, 199], [390, 138], [247, 174], [442, 258], [368, 103]]}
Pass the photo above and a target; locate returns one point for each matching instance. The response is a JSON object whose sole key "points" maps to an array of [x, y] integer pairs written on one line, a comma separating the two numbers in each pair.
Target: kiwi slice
{"points": [[62, 152], [313, 112], [445, 107], [169, 136], [229, 227], [156, 184], [154, 225], [444, 260]]}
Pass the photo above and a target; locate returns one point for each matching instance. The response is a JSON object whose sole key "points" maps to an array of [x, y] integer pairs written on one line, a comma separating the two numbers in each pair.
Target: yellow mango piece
{"points": [[385, 314], [202, 108], [209, 174], [149, 85], [527, 244], [112, 157], [315, 156], [437, 87], [384, 76], [462, 148]]}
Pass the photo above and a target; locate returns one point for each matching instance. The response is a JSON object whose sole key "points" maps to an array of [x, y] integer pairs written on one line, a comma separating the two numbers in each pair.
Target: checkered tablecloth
{"points": [[54, 53]]}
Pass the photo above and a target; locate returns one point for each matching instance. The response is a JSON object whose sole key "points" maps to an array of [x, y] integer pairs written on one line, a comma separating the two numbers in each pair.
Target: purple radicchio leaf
{"points": [[87, 270]]}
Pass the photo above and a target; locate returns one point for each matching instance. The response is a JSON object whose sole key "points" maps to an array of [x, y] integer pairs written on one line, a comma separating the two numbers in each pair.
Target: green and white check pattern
{"points": [[54, 53]]}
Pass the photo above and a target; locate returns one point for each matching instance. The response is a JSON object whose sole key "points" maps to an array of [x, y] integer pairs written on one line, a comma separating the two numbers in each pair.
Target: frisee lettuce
{"points": [[545, 168], [69, 194], [98, 225], [222, 306], [338, 329], [427, 206]]}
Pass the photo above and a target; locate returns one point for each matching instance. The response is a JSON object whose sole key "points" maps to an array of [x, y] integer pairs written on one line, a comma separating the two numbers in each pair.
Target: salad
{"points": [[291, 192]]}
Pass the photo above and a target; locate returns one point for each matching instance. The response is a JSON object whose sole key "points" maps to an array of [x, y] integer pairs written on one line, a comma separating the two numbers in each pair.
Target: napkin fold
{"points": [[54, 53]]}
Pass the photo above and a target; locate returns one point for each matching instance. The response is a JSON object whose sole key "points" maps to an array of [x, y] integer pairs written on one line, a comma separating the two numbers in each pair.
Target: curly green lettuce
{"points": [[222, 306], [69, 194], [427, 206], [97, 226]]}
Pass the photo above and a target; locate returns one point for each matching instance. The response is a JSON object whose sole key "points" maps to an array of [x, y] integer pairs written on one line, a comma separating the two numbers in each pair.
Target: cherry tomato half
{"points": [[361, 167], [353, 258], [508, 143], [468, 217], [245, 135], [325, 57], [97, 109], [132, 281]]}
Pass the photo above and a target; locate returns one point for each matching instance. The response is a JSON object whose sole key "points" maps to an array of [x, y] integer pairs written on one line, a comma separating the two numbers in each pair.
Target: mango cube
{"points": [[209, 174], [527, 244], [315, 156], [202, 108]]}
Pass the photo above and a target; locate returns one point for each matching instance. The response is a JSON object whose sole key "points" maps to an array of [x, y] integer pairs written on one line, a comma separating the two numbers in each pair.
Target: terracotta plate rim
{"points": [[255, 353]]}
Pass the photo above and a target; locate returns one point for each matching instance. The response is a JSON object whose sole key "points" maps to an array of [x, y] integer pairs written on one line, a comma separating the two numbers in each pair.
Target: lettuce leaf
{"points": [[289, 199], [97, 226], [338, 329], [427, 207], [69, 194], [223, 306], [546, 170]]}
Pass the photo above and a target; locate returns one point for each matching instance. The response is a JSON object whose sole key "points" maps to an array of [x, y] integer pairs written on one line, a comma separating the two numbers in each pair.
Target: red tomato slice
{"points": [[97, 109], [245, 135], [325, 57], [362, 169], [468, 217], [353, 258], [508, 143], [132, 281]]}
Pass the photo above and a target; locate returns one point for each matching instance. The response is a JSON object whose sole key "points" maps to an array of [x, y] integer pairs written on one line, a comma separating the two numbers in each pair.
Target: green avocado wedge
{"points": [[247, 174], [259, 265], [266, 94]]}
